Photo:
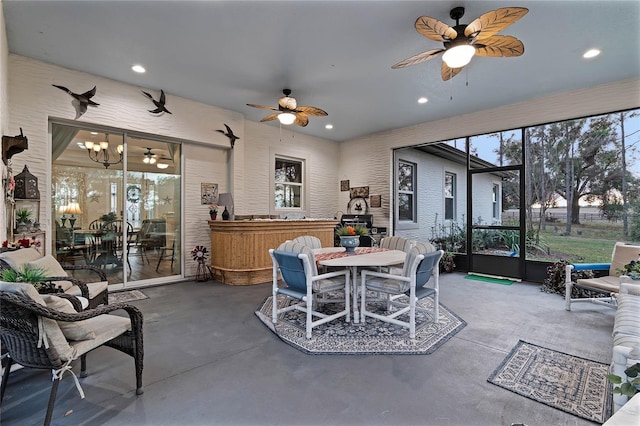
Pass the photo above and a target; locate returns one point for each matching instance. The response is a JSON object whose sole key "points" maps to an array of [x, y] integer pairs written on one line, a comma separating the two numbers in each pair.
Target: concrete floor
{"points": [[210, 361]]}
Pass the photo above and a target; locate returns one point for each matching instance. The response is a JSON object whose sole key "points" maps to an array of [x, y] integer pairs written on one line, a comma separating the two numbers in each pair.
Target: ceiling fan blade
{"points": [[301, 119], [264, 107], [488, 24], [499, 46], [435, 30], [311, 111], [420, 57], [447, 72], [270, 117]]}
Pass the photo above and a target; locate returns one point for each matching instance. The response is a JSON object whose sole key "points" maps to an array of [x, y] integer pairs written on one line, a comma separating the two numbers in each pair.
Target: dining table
{"points": [[364, 257]]}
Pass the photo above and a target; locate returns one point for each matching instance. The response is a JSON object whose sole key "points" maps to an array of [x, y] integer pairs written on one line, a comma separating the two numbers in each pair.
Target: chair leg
{"points": [[5, 378], [52, 401], [160, 258], [83, 365]]}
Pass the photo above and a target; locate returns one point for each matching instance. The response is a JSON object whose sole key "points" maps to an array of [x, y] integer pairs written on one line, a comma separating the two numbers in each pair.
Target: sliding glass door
{"points": [[116, 203]]}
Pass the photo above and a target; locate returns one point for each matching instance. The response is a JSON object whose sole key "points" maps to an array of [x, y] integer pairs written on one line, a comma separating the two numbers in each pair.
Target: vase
{"points": [[225, 214], [350, 242], [213, 216]]}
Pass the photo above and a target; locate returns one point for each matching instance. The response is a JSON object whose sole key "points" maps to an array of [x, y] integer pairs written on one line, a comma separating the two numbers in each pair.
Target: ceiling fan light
{"points": [[286, 118], [458, 56]]}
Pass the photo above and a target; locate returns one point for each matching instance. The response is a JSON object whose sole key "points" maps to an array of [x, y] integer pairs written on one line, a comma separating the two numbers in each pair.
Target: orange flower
{"points": [[351, 230]]}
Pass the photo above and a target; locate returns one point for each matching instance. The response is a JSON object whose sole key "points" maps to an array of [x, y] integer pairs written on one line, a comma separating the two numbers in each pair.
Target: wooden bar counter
{"points": [[240, 248]]}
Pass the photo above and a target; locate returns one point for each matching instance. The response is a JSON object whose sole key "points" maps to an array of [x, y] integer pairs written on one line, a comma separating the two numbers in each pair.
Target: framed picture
{"points": [[359, 192], [344, 185], [209, 193], [376, 200]]}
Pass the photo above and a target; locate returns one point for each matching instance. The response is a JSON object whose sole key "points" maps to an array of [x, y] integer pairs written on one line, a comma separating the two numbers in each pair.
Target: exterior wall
{"points": [[430, 197], [244, 171]]}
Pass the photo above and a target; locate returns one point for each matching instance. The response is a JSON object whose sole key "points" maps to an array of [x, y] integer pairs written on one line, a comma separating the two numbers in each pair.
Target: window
{"points": [[494, 199], [449, 196], [288, 183], [406, 191]]}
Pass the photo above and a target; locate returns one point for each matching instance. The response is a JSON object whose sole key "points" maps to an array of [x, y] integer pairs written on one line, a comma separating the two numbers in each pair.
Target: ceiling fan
{"points": [[289, 112], [461, 42]]}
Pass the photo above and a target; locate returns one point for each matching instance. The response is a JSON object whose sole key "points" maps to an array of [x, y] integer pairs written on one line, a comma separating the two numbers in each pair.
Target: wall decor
{"points": [[209, 193], [376, 200], [80, 100], [229, 133], [12, 145], [344, 185], [359, 192], [160, 108]]}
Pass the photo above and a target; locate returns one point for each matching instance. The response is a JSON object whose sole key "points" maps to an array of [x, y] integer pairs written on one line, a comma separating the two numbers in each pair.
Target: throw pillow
{"points": [[76, 330]]}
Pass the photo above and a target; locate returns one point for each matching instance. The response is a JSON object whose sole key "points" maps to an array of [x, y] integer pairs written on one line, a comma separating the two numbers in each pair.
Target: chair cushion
{"points": [[309, 241], [396, 243], [75, 330], [418, 249], [52, 331], [105, 327], [607, 283], [328, 284], [94, 289], [294, 247], [17, 258], [53, 269], [386, 285]]}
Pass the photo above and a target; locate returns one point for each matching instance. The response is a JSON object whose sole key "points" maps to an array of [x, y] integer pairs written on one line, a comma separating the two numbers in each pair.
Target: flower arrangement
{"points": [[351, 230], [199, 253], [213, 209], [22, 243], [631, 269]]}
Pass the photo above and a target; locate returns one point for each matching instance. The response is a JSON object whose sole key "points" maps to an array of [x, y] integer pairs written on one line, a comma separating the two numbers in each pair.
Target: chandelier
{"points": [[99, 152]]}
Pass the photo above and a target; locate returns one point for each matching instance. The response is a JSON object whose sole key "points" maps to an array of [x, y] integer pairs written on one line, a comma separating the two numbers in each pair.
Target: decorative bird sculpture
{"points": [[229, 133], [80, 101], [159, 103]]}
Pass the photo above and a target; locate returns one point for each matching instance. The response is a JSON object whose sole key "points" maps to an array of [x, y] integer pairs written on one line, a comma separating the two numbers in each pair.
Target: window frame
{"points": [[453, 196], [412, 193], [301, 184]]}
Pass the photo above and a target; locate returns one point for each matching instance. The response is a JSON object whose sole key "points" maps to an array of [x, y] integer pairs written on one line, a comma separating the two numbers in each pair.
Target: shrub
{"points": [[555, 281]]}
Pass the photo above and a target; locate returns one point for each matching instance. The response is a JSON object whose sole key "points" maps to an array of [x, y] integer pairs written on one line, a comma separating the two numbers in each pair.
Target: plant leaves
{"points": [[616, 380]]}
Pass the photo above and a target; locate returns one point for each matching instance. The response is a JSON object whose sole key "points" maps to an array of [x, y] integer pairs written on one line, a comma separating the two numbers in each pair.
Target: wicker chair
{"points": [[34, 335], [96, 292]]}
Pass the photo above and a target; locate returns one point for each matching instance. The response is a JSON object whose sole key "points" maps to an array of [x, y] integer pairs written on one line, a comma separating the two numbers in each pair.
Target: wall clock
{"points": [[133, 194]]}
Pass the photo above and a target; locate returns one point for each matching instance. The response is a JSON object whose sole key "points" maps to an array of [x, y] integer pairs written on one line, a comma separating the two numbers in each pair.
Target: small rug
{"points": [[126, 296], [493, 280], [374, 337], [576, 385]]}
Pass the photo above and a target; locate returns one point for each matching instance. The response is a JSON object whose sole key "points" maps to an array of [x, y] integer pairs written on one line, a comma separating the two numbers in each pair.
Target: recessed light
{"points": [[94, 133], [329, 126], [423, 100], [591, 53], [139, 69], [162, 165]]}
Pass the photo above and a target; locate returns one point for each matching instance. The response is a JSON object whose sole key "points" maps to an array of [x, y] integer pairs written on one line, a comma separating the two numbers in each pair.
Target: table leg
{"points": [[354, 286]]}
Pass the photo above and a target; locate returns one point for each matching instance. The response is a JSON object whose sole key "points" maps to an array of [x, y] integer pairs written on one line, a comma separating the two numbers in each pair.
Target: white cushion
{"points": [[57, 340], [105, 327], [94, 289], [76, 330], [17, 258], [53, 269]]}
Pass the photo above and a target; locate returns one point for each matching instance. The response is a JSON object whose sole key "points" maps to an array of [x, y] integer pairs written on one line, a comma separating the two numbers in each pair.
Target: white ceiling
{"points": [[335, 55]]}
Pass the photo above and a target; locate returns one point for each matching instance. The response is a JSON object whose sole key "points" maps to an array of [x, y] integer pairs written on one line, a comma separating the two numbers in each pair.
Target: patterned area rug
{"points": [[374, 337], [126, 296], [572, 384]]}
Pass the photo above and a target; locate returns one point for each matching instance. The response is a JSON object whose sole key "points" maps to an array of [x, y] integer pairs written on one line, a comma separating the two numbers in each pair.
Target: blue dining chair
{"points": [[295, 264], [420, 266]]}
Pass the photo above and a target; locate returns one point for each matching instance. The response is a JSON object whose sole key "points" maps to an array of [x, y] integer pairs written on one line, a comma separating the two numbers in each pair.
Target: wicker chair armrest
{"points": [[94, 269], [134, 313], [77, 304], [84, 290]]}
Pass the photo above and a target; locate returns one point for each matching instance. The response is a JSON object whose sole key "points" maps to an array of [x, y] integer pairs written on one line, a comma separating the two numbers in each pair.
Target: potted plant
{"points": [[32, 275], [631, 386], [631, 269], [350, 236], [213, 211]]}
